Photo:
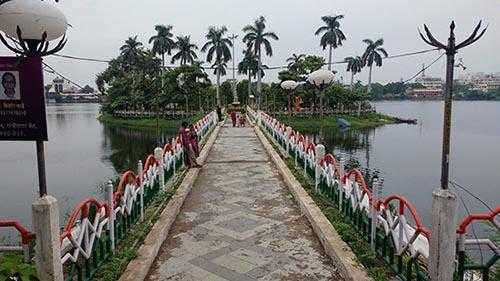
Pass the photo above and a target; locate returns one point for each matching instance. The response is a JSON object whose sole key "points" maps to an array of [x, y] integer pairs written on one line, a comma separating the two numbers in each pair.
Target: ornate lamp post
{"points": [[444, 201], [289, 86], [321, 79], [32, 25]]}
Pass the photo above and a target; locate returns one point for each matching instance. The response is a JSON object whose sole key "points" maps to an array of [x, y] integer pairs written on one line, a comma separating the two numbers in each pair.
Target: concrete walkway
{"points": [[241, 223]]}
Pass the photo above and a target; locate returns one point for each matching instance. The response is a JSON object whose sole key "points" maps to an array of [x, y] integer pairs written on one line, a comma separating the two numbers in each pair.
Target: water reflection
{"points": [[124, 147]]}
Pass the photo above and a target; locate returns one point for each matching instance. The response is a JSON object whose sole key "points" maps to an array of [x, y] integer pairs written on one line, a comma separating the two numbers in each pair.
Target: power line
{"points": [[424, 69], [81, 58], [269, 68], [53, 71], [472, 194]]}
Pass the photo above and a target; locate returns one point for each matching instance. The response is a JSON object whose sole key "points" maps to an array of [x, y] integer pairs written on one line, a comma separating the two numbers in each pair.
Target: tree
{"points": [[354, 65], [249, 65], [218, 45], [294, 61], [332, 35], [255, 37], [131, 51], [186, 53], [162, 41], [373, 53]]}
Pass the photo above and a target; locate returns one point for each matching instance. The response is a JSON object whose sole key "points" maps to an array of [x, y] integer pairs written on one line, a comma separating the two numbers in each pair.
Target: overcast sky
{"points": [[101, 26]]}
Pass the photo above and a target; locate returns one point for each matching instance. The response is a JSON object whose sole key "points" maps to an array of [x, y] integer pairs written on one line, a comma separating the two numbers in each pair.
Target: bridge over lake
{"points": [[268, 204]]}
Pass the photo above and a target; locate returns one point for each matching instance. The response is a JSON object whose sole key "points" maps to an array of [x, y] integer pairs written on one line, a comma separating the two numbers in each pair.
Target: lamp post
{"points": [[233, 84], [289, 86], [33, 25], [444, 201], [321, 79]]}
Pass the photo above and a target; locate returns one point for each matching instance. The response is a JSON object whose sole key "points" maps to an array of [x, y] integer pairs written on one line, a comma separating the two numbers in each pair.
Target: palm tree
{"points": [[255, 37], [354, 65], [294, 60], [218, 45], [186, 53], [332, 35], [249, 65], [131, 51], [373, 53], [162, 41]]}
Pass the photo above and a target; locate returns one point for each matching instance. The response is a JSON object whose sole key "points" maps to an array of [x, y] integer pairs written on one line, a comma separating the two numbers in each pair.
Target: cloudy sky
{"points": [[101, 26]]}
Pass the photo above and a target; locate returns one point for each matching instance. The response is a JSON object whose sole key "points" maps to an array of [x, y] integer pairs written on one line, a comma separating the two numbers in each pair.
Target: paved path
{"points": [[241, 223]]}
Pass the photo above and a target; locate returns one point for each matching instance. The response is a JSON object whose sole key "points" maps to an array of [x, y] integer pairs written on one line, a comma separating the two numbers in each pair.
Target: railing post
{"points": [[376, 189], [340, 183], [320, 153], [288, 135], [443, 239], [141, 187], [111, 216], [159, 157], [45, 215]]}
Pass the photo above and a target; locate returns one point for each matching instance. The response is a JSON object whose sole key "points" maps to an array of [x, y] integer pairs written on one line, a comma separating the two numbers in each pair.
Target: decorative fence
{"points": [[152, 114], [391, 225], [95, 227]]}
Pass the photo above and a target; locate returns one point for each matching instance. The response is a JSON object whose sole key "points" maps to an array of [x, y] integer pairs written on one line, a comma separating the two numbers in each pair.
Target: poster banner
{"points": [[22, 102]]}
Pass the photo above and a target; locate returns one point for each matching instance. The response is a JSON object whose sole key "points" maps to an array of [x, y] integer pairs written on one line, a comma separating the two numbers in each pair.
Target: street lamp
{"points": [[321, 79], [289, 86], [31, 25]]}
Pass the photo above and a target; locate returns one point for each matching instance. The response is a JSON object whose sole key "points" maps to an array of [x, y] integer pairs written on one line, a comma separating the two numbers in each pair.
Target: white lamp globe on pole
{"points": [[321, 79], [289, 86], [33, 23]]}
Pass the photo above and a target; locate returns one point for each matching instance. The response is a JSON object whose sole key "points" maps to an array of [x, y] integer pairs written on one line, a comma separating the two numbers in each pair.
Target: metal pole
{"points": [[40, 157], [235, 95], [445, 160]]}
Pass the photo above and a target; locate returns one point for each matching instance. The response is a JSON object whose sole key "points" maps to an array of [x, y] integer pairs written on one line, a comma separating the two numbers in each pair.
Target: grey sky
{"points": [[101, 26]]}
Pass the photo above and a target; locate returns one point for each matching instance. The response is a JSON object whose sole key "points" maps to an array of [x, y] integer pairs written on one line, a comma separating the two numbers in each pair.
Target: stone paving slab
{"points": [[241, 223]]}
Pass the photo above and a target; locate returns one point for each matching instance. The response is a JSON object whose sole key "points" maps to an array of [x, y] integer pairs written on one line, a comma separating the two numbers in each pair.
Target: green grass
{"points": [[145, 123], [364, 121]]}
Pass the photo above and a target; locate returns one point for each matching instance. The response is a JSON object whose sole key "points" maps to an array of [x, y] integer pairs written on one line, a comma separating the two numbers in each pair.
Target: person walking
{"points": [[189, 154], [233, 117]]}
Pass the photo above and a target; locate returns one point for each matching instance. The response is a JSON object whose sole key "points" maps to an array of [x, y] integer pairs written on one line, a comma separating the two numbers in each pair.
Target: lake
{"points": [[83, 154]]}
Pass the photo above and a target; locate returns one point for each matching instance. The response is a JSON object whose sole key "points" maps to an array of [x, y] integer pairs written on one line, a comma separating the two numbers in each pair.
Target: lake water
{"points": [[83, 154], [409, 156]]}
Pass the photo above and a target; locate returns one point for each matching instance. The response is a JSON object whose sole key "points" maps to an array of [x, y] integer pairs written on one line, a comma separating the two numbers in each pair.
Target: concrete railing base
{"points": [[340, 253], [138, 268]]}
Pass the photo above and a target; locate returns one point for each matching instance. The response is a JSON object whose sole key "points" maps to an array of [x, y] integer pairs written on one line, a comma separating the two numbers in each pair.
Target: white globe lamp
{"points": [[34, 18]]}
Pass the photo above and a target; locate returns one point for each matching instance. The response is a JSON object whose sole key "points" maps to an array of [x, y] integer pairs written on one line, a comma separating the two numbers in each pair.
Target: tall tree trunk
{"points": [[289, 103], [370, 79], [330, 58], [218, 87], [352, 81], [249, 83], [259, 80], [321, 102]]}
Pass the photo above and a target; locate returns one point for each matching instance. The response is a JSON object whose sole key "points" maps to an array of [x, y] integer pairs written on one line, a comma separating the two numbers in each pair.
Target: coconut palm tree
{"points": [[332, 35], [248, 65], [373, 53], [217, 48], [131, 51], [294, 60], [354, 65], [162, 41], [186, 53], [255, 37]]}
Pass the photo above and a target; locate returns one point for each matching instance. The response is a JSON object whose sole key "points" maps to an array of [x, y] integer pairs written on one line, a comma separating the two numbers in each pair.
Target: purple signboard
{"points": [[22, 102]]}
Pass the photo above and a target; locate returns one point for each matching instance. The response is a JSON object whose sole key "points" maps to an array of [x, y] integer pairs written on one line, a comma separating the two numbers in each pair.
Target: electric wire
{"points": [[424, 69], [472, 225], [53, 71]]}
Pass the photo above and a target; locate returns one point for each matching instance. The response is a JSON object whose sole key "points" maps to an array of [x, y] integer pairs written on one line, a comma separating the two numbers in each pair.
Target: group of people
{"points": [[189, 140], [238, 119]]}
